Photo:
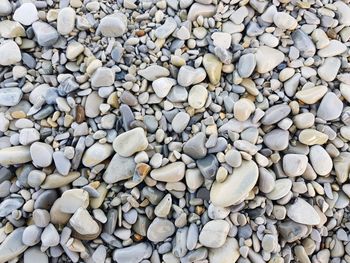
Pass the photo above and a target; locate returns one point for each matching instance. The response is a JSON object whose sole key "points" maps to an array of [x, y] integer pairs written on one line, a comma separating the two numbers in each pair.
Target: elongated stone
{"points": [[15, 155], [237, 185], [12, 246], [56, 180]]}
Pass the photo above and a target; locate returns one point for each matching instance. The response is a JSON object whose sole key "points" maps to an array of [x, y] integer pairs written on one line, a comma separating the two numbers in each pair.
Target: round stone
{"points": [[197, 96]]}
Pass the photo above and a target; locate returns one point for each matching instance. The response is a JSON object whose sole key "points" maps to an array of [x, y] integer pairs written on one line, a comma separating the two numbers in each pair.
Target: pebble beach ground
{"points": [[175, 131]]}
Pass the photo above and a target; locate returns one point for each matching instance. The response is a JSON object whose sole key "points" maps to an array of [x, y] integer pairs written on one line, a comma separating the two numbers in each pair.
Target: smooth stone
{"points": [[10, 204], [330, 107], [291, 231], [56, 180], [311, 95], [277, 139], [130, 142], [195, 146], [162, 86], [5, 8], [56, 216], [45, 199], [10, 96], [238, 184], [275, 113], [11, 29], [343, 11], [74, 49], [320, 160], [208, 166], [345, 91], [281, 189], [103, 77], [329, 69], [266, 181], [312, 137], [284, 21], [41, 217], [12, 245], [303, 213], [233, 158], [34, 254], [26, 14], [304, 120], [303, 43], [294, 164], [188, 76], [92, 105], [267, 59], [114, 25], [213, 68], [165, 30], [66, 20], [96, 154], [197, 96], [227, 253], [31, 235], [120, 168], [170, 173], [50, 236], [246, 65], [28, 135], [342, 166], [180, 122], [215, 212], [243, 108], [164, 206], [214, 233], [160, 229], [198, 9], [334, 48], [83, 223], [133, 254], [153, 72], [73, 199], [41, 154], [45, 34], [11, 54], [15, 155], [62, 163]]}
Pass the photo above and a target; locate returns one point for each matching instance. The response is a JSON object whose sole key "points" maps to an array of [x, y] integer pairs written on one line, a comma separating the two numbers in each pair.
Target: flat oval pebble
{"points": [[303, 213], [312, 137], [294, 164], [170, 173], [311, 95], [160, 229], [239, 183], [330, 107], [130, 142], [320, 160], [12, 245], [214, 233], [281, 188], [97, 153]]}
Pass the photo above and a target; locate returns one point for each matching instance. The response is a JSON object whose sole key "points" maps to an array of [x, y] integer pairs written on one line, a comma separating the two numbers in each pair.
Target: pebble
{"points": [[188, 76], [120, 168], [303, 213], [214, 233], [239, 184], [133, 254], [227, 253], [160, 229], [10, 96], [165, 30], [334, 48], [311, 95], [5, 8], [246, 65], [73, 199], [15, 155], [96, 154], [45, 34], [213, 68], [330, 107], [130, 142], [329, 69], [50, 236], [294, 164], [162, 86], [303, 43], [12, 245], [11, 54], [41, 154], [102, 77], [312, 137], [277, 139], [170, 173], [243, 108], [153, 72], [10, 204], [35, 254], [320, 160], [180, 121], [113, 25], [83, 223], [284, 21], [26, 14], [267, 59], [197, 97], [281, 189], [221, 39], [198, 9]]}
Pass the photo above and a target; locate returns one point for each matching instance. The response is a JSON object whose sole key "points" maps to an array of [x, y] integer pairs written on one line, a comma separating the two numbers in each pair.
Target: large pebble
{"points": [[26, 14], [41, 154], [294, 164], [303, 213], [267, 59], [213, 68], [10, 96], [195, 147], [312, 137], [5, 8], [133, 254], [180, 121], [12, 246], [329, 69], [45, 34], [10, 204], [281, 189], [83, 223], [198, 9], [246, 65], [31, 235], [56, 180], [97, 153], [162, 86], [102, 77], [170, 173], [197, 96], [320, 160], [243, 108], [277, 139], [65, 20], [214, 233], [113, 25], [227, 253], [334, 48], [311, 95], [120, 168], [153, 72], [34, 254], [330, 107], [275, 113], [130, 142], [166, 29], [303, 43], [285, 21], [237, 185], [73, 199], [188, 75], [160, 229], [10, 53]]}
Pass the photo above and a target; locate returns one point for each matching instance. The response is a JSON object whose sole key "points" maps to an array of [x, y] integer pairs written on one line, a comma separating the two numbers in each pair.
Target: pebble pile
{"points": [[175, 131]]}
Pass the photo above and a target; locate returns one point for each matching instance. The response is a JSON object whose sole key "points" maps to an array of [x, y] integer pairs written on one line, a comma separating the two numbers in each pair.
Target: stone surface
{"points": [[10, 96], [120, 168], [160, 229], [96, 154], [113, 25]]}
